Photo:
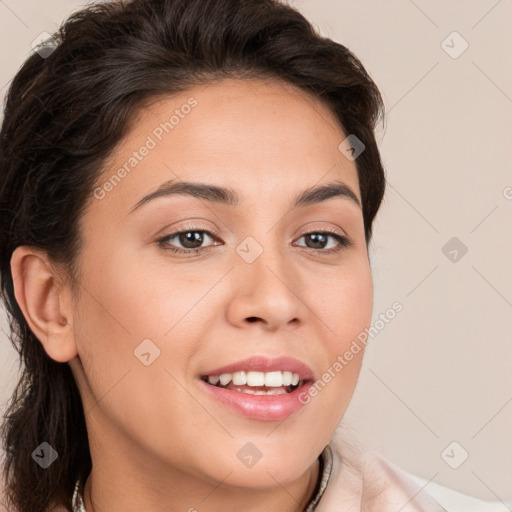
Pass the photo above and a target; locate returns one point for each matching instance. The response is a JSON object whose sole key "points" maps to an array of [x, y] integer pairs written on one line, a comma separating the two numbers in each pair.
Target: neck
{"points": [[192, 495]]}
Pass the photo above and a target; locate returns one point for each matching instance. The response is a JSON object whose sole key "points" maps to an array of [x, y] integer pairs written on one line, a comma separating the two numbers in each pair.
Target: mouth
{"points": [[260, 387], [257, 383]]}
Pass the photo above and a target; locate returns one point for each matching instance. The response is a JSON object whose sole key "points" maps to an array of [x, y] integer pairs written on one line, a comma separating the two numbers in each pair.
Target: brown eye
{"points": [[319, 240], [190, 240]]}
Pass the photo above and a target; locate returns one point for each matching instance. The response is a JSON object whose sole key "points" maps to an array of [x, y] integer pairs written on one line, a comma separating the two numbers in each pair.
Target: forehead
{"points": [[265, 139]]}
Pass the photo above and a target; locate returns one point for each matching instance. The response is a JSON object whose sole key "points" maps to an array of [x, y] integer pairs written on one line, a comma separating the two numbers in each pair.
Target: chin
{"points": [[261, 463], [261, 477]]}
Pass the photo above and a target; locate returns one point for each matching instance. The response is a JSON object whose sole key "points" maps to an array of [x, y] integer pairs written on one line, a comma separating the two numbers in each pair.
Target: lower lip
{"points": [[260, 407]]}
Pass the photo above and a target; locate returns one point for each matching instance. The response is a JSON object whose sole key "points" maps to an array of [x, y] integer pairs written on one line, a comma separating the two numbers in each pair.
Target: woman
{"points": [[187, 197]]}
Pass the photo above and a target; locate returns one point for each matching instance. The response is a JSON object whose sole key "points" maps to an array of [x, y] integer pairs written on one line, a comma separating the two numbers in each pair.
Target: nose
{"points": [[267, 291]]}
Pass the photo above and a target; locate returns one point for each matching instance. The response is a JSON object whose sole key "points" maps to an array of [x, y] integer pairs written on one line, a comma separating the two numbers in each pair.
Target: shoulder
{"points": [[455, 501], [369, 482]]}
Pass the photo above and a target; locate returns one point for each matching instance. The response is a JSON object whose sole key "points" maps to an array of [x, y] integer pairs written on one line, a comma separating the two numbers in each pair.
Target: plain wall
{"points": [[438, 372]]}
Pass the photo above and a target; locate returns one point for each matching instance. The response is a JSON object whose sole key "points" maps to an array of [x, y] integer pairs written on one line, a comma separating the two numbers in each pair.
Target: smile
{"points": [[259, 388], [256, 383]]}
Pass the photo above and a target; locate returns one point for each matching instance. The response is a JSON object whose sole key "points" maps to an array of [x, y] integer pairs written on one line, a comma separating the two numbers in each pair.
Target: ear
{"points": [[44, 300]]}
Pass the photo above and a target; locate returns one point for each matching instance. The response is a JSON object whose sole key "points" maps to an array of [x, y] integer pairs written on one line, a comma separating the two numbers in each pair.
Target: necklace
{"points": [[325, 459]]}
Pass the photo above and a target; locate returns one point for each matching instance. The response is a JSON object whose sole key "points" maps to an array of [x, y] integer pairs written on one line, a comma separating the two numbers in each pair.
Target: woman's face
{"points": [[264, 283]]}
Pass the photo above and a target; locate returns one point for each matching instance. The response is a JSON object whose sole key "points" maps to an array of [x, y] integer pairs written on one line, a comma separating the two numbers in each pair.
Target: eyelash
{"points": [[343, 241]]}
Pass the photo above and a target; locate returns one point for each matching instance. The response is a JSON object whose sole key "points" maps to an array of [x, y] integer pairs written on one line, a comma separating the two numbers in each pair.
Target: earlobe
{"points": [[42, 297]]}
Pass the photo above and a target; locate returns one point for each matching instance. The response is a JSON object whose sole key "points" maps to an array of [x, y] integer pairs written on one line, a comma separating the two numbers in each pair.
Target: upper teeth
{"points": [[270, 379]]}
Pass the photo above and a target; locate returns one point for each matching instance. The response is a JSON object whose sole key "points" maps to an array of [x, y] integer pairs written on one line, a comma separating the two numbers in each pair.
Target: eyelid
{"points": [[328, 229], [343, 240], [191, 226]]}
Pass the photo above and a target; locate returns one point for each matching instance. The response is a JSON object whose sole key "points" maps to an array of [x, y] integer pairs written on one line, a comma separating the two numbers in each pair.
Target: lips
{"points": [[263, 403], [263, 364]]}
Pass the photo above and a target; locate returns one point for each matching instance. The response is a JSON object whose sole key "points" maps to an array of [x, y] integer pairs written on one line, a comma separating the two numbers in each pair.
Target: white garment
{"points": [[455, 501], [369, 482]]}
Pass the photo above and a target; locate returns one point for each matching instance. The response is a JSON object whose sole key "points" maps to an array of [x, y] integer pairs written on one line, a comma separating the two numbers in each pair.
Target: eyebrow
{"points": [[229, 197]]}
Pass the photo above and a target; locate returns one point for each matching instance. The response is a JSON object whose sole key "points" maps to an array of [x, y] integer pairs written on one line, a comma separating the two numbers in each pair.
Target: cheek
{"points": [[126, 301], [346, 310], [344, 301], [114, 314]]}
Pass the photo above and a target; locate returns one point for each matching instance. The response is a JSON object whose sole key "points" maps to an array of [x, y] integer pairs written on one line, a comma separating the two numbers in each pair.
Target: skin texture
{"points": [[158, 441]]}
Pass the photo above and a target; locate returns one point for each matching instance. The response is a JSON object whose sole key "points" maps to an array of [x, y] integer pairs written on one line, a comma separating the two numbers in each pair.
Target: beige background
{"points": [[441, 370]]}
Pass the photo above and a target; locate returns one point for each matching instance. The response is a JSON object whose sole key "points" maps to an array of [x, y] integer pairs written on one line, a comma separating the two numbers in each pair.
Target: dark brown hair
{"points": [[64, 114]]}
